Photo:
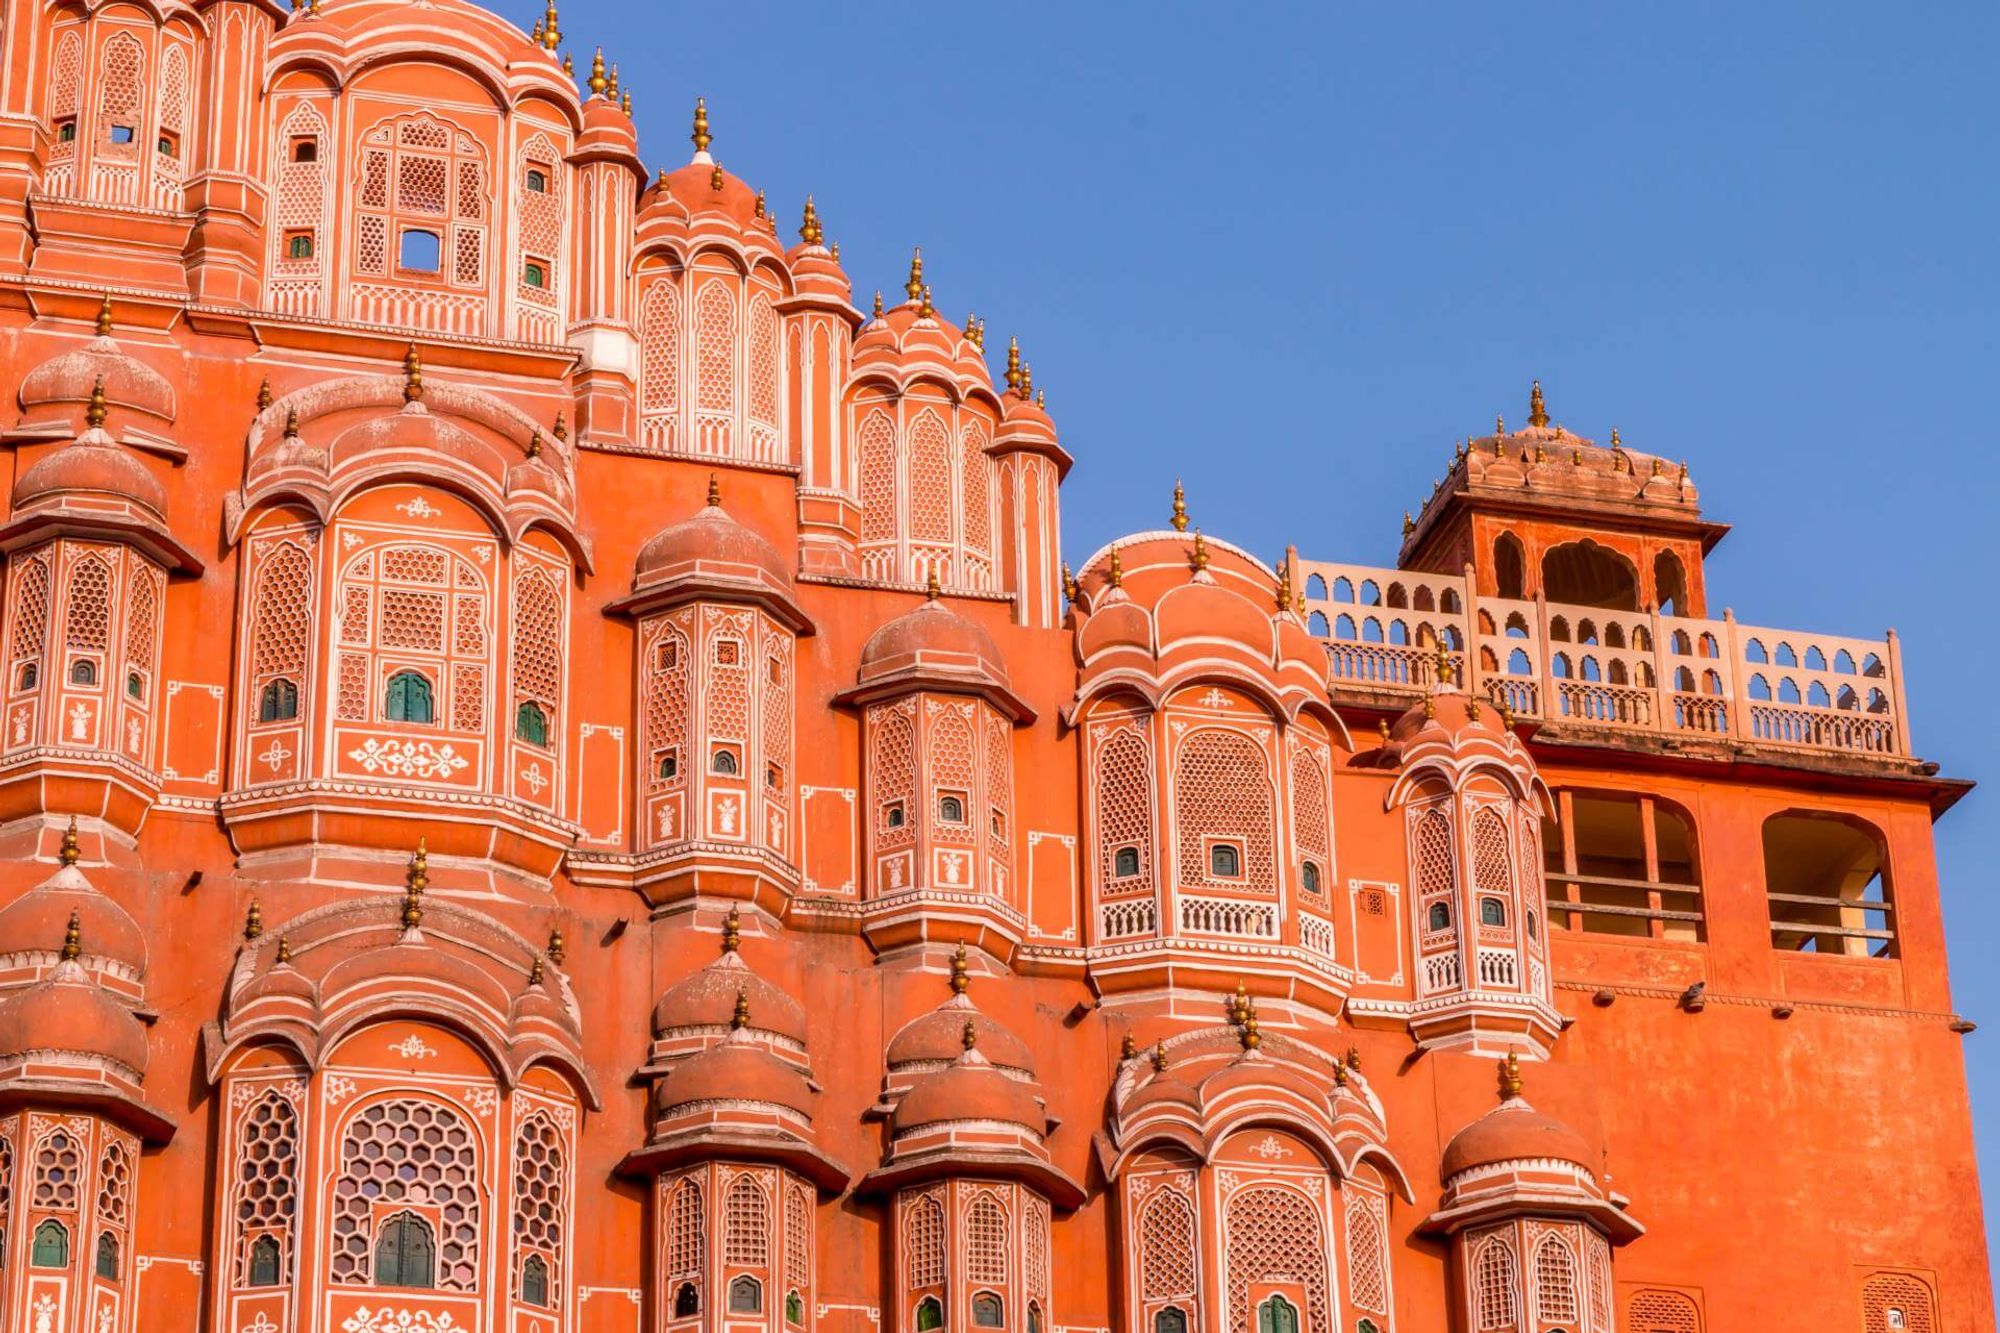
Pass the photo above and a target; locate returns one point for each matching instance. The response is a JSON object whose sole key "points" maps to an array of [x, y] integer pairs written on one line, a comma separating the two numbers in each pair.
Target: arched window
{"points": [[1034, 1317], [534, 275], [83, 671], [405, 1253], [1440, 917], [279, 701], [419, 251], [670, 765], [746, 1296], [987, 1311], [1492, 912], [687, 1301], [135, 685], [1277, 1315], [1366, 1326], [1173, 1319], [264, 1261], [538, 181], [107, 1256], [795, 1308], [951, 810], [31, 675], [1224, 861], [930, 1314], [893, 816], [1125, 863], [409, 698], [299, 246], [51, 1248], [723, 764], [531, 724], [1309, 877]]}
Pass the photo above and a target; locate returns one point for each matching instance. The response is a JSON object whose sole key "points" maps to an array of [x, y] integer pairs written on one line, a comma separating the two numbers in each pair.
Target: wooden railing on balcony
{"points": [[1622, 671]]}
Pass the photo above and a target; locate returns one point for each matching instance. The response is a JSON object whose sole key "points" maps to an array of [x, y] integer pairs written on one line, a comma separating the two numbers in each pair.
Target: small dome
{"points": [[736, 1070], [93, 465], [1450, 712], [1164, 1088], [707, 999], [933, 638], [906, 339], [710, 543], [971, 1089], [72, 377], [1115, 625], [445, 25], [1512, 1132], [938, 1037], [39, 919], [70, 1014]]}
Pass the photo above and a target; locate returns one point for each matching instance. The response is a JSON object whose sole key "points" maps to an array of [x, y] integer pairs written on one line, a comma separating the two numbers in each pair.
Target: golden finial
{"points": [[98, 409], [1117, 569], [72, 948], [561, 431], [1249, 1035], [612, 87], [598, 83], [1614, 439], [714, 492], [931, 589], [980, 341], [739, 1017], [1069, 583], [701, 137], [1430, 707], [924, 308], [1540, 456], [264, 398], [413, 374], [413, 893], [1576, 458], [1354, 1058], [551, 28], [104, 317], [1409, 524], [1472, 707], [1510, 1077], [834, 250], [1284, 586], [1656, 466], [534, 33], [253, 921], [1339, 1075], [1445, 676], [558, 947], [1198, 558], [1382, 729], [878, 303], [292, 423], [1684, 469], [810, 230], [1239, 1003], [70, 853], [1042, 398], [715, 177], [915, 285], [1180, 519], [970, 1037], [625, 102], [535, 971], [1014, 363], [1160, 1057], [732, 930], [958, 970], [284, 949], [1128, 1047], [1499, 429], [1538, 412], [569, 64], [971, 330], [757, 208]]}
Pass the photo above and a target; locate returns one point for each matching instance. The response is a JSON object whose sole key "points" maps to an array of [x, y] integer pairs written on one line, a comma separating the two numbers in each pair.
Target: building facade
{"points": [[553, 776]]}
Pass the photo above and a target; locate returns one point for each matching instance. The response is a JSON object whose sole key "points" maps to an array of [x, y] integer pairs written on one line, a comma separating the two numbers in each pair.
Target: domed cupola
{"points": [[914, 342], [713, 557], [35, 928], [63, 388], [817, 277], [934, 1041], [696, 1010], [935, 648], [608, 131], [702, 201]]}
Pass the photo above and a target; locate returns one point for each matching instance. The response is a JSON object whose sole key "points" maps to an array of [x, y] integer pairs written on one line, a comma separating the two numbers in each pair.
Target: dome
{"points": [[971, 1089], [39, 920], [72, 1015], [736, 1070], [94, 465], [439, 25], [933, 641], [1446, 712], [1164, 1088], [1115, 625], [710, 543], [938, 1038], [72, 377], [708, 1000], [913, 338], [1512, 1132]]}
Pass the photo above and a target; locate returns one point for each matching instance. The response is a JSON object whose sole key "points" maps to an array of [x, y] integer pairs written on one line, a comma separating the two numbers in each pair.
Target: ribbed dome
{"points": [[70, 1014], [1164, 1087], [94, 465], [39, 919], [736, 1070], [72, 376], [905, 339], [933, 638], [445, 24], [711, 542], [938, 1037], [1512, 1132], [707, 999], [971, 1089]]}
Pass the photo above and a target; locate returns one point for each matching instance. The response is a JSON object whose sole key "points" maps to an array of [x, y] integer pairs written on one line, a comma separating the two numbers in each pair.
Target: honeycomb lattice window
{"points": [[715, 347], [892, 773], [1269, 1228], [538, 618], [1222, 789], [667, 706], [425, 173], [746, 1223], [281, 615], [1167, 1247], [1662, 1312], [878, 483], [266, 1184], [87, 617], [1125, 810], [407, 1152], [931, 479], [660, 342], [58, 1172], [141, 622], [1311, 826], [114, 1184], [1897, 1303], [31, 616], [541, 1183], [1491, 872]]}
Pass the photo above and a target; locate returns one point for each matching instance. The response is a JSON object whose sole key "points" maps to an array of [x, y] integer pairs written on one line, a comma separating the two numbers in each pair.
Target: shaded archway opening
{"points": [[1586, 574]]}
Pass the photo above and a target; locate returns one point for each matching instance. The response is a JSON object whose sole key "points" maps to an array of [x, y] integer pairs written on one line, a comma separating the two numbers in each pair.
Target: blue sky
{"points": [[1292, 254]]}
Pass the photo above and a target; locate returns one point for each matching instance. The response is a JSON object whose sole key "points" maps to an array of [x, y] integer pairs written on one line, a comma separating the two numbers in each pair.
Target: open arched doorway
{"points": [[1510, 567], [1669, 585], [1582, 573]]}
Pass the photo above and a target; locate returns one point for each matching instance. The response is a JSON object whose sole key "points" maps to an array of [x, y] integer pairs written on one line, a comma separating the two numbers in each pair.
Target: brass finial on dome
{"points": [[739, 1016], [535, 971], [980, 341], [1472, 707], [1409, 524], [732, 930], [561, 431], [1445, 675], [1510, 1076], [959, 974], [104, 317], [1353, 1060], [1284, 586], [834, 250], [1538, 412], [1128, 1047], [569, 64], [292, 423], [98, 409], [264, 395], [1248, 1033], [1042, 399], [878, 303], [714, 492], [611, 88], [253, 921], [1160, 1057], [1014, 363], [285, 949], [932, 591], [413, 374], [1684, 469], [69, 853], [598, 82], [1499, 429], [758, 207], [1117, 569], [1656, 466], [810, 230], [1180, 518], [970, 1037], [413, 892], [915, 286], [558, 947], [535, 443], [1239, 1003], [1068, 583], [1615, 444], [551, 28], [625, 102], [715, 178], [72, 946], [1198, 558], [700, 136], [925, 310]]}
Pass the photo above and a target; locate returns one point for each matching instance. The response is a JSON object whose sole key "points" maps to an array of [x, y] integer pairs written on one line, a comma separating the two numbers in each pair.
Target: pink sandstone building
{"points": [[554, 776]]}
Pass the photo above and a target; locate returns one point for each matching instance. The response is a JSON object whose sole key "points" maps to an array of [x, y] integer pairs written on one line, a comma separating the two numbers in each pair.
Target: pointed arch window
{"points": [[988, 1311], [746, 1296], [1173, 1319], [264, 1262], [51, 1247], [687, 1301], [1277, 1315], [535, 1280], [531, 724], [278, 702], [107, 1256], [409, 698], [930, 1314], [83, 671], [1440, 916], [405, 1253]]}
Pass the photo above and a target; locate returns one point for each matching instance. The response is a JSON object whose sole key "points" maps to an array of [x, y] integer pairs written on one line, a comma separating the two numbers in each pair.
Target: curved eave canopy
{"points": [[39, 525], [788, 1151], [1051, 1181], [920, 678], [147, 1121]]}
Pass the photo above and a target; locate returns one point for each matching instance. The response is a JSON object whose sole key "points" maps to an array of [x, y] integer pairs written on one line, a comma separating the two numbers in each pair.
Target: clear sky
{"points": [[1292, 254]]}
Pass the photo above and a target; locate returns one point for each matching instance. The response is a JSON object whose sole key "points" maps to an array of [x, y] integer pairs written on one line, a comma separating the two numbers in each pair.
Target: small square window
{"points": [[667, 656], [168, 145], [305, 149], [538, 181], [723, 762], [669, 765], [1225, 861], [951, 809], [121, 134], [419, 252], [774, 776], [66, 131], [533, 274], [298, 245], [728, 652], [893, 815]]}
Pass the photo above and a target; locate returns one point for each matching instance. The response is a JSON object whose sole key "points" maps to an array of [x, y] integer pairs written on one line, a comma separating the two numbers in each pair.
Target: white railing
{"points": [[1441, 972], [1229, 916], [1316, 935], [1118, 921], [1496, 968], [1617, 670]]}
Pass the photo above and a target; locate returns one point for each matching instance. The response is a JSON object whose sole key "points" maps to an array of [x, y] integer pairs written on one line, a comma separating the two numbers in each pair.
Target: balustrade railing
{"points": [[1632, 671], [1228, 916]]}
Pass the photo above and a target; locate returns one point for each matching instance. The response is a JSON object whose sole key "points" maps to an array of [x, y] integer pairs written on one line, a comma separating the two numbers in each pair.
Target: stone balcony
{"points": [[1783, 694]]}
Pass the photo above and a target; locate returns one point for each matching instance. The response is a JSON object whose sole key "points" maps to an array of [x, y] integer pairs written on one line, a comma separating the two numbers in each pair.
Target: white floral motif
{"points": [[412, 1047], [725, 814], [338, 1089], [1216, 699], [535, 779], [666, 821], [1269, 1147], [418, 508], [954, 867], [408, 759], [261, 1324], [386, 1320], [483, 1100], [275, 754], [20, 725], [79, 722], [132, 731], [45, 1314], [350, 540]]}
